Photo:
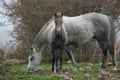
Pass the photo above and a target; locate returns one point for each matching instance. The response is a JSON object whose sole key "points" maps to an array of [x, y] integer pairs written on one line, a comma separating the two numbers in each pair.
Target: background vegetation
{"points": [[29, 16]]}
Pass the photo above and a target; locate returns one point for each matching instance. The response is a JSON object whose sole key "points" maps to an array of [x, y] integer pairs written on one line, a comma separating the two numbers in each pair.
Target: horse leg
{"points": [[115, 51], [53, 60], [111, 51], [60, 58], [58, 64], [103, 47], [71, 57]]}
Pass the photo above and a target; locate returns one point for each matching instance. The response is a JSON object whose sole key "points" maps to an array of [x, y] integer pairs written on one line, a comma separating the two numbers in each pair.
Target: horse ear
{"points": [[58, 14], [61, 14], [30, 52], [55, 15], [31, 49]]}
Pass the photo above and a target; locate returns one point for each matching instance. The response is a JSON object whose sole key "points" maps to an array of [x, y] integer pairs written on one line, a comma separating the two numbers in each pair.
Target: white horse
{"points": [[117, 43], [79, 30]]}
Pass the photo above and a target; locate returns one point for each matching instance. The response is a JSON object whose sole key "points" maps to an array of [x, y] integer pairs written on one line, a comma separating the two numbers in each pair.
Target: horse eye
{"points": [[31, 58], [56, 22]]}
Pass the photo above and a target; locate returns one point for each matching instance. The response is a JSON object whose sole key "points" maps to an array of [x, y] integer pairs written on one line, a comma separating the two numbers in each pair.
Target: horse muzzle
{"points": [[30, 69]]}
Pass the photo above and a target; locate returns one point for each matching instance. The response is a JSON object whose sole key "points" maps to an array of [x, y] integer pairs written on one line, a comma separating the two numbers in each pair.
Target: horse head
{"points": [[33, 59], [58, 22]]}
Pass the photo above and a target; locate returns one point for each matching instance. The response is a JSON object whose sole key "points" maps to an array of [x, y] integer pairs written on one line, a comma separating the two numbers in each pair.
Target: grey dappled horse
{"points": [[79, 30], [117, 37], [117, 43]]}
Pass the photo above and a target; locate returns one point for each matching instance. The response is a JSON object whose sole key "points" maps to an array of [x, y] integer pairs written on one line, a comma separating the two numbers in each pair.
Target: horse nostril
{"points": [[30, 70]]}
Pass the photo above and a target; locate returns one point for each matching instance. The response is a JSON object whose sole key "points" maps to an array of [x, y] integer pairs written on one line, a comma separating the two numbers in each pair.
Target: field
{"points": [[87, 71]]}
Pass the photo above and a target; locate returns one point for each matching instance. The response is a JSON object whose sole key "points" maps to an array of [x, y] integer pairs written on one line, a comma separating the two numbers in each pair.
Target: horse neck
{"points": [[39, 45], [58, 34], [62, 33], [38, 49]]}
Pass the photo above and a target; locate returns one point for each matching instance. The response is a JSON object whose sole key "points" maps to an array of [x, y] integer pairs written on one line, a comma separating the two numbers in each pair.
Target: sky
{"points": [[6, 28]]}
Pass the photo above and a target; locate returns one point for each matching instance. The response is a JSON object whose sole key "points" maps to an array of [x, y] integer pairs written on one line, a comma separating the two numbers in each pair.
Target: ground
{"points": [[87, 71]]}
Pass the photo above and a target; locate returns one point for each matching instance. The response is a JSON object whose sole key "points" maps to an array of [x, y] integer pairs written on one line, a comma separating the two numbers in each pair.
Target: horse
{"points": [[79, 30], [59, 39], [39, 45], [117, 43]]}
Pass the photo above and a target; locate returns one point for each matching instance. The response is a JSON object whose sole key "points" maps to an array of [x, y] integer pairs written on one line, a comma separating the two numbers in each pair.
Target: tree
{"points": [[30, 15]]}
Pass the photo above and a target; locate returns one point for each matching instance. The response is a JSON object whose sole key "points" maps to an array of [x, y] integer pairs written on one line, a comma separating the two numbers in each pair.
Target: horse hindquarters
{"points": [[105, 46]]}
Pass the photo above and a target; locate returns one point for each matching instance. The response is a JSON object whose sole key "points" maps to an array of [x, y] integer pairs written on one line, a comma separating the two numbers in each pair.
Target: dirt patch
{"points": [[106, 75], [64, 76], [12, 62], [4, 73]]}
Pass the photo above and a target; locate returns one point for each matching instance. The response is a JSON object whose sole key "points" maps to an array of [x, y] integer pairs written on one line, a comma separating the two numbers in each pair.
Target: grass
{"points": [[18, 72]]}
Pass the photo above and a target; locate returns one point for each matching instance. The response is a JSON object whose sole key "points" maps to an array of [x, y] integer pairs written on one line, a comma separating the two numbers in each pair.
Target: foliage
{"points": [[30, 15], [33, 14]]}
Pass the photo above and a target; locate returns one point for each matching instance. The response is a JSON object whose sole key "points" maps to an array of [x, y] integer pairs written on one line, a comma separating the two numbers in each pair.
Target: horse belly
{"points": [[79, 38]]}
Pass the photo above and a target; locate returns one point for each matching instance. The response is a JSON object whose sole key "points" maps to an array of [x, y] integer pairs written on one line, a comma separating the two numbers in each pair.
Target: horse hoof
{"points": [[115, 68], [54, 71], [53, 74], [75, 69]]}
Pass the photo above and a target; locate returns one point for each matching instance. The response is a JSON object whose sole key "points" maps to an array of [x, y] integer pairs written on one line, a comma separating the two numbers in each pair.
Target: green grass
{"points": [[18, 72]]}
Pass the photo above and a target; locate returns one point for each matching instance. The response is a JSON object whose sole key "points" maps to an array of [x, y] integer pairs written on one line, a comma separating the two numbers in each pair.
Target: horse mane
{"points": [[38, 41]]}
